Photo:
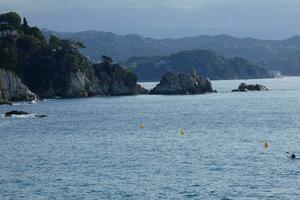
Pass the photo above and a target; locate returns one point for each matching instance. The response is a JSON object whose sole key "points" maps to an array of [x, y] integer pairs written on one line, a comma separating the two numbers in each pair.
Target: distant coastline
{"points": [[53, 67]]}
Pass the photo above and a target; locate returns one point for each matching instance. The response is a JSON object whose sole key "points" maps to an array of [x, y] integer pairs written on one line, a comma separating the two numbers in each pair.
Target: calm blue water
{"points": [[93, 148]]}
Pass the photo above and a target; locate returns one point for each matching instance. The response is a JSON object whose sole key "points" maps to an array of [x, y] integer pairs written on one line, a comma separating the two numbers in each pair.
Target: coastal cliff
{"points": [[103, 79], [12, 89], [56, 68]]}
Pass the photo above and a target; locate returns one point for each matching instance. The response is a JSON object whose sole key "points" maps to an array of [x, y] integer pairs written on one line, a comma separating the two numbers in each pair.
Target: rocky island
{"points": [[244, 88], [183, 83]]}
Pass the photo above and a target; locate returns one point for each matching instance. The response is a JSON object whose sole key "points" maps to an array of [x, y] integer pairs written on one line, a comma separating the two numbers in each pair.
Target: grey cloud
{"points": [[164, 18]]}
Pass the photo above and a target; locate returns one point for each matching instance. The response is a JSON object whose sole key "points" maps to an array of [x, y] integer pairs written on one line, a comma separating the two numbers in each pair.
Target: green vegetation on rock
{"points": [[56, 67], [206, 62]]}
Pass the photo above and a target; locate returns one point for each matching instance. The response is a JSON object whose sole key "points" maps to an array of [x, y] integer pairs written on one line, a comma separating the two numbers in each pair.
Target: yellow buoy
{"points": [[182, 132], [266, 145], [142, 126]]}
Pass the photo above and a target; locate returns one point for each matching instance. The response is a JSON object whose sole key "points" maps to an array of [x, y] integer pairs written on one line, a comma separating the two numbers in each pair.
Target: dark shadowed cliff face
{"points": [[115, 80], [56, 68], [104, 79], [182, 83], [207, 63]]}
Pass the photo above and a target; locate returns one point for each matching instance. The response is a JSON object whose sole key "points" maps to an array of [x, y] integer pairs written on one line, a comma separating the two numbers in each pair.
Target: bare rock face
{"points": [[244, 88], [113, 80], [5, 102], [103, 79], [180, 83], [12, 89], [79, 85]]}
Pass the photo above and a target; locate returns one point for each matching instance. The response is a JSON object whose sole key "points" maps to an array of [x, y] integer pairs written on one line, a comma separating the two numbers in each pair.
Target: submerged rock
{"points": [[12, 89], [15, 112], [181, 83], [244, 88], [41, 116], [18, 113]]}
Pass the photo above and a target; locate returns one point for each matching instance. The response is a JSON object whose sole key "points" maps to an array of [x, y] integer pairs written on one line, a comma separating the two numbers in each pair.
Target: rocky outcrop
{"points": [[12, 89], [15, 112], [5, 102], [21, 113], [181, 83], [244, 88], [56, 68], [103, 79], [142, 90], [79, 84], [116, 81]]}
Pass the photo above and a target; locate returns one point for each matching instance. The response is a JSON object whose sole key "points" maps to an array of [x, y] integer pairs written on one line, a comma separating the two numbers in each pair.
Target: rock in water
{"points": [[41, 116], [180, 83], [244, 88], [12, 89], [15, 112]]}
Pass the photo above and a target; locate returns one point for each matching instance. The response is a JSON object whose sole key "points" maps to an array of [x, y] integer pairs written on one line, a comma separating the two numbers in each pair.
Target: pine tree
{"points": [[25, 24]]}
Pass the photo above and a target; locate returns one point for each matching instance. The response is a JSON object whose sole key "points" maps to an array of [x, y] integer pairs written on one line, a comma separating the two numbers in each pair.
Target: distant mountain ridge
{"points": [[206, 62], [274, 55]]}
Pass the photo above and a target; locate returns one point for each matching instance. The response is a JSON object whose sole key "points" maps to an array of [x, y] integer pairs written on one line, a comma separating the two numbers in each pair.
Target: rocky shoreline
{"points": [[55, 68], [12, 89]]}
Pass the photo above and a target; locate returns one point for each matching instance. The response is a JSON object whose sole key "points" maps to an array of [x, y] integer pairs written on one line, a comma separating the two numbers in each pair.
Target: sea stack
{"points": [[182, 83], [244, 88]]}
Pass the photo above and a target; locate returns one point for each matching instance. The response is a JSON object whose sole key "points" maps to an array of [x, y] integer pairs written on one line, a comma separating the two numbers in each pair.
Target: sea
{"points": [[222, 145]]}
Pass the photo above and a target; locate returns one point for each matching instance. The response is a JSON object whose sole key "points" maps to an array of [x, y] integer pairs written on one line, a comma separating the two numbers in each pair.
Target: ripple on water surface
{"points": [[94, 148]]}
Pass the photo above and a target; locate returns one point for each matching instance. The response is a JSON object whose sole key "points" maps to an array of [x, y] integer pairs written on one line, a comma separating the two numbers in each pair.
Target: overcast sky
{"points": [[266, 19]]}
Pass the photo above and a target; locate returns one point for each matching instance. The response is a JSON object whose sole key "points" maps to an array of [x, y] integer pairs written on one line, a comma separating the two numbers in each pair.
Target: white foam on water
{"points": [[25, 103], [33, 102], [32, 115]]}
